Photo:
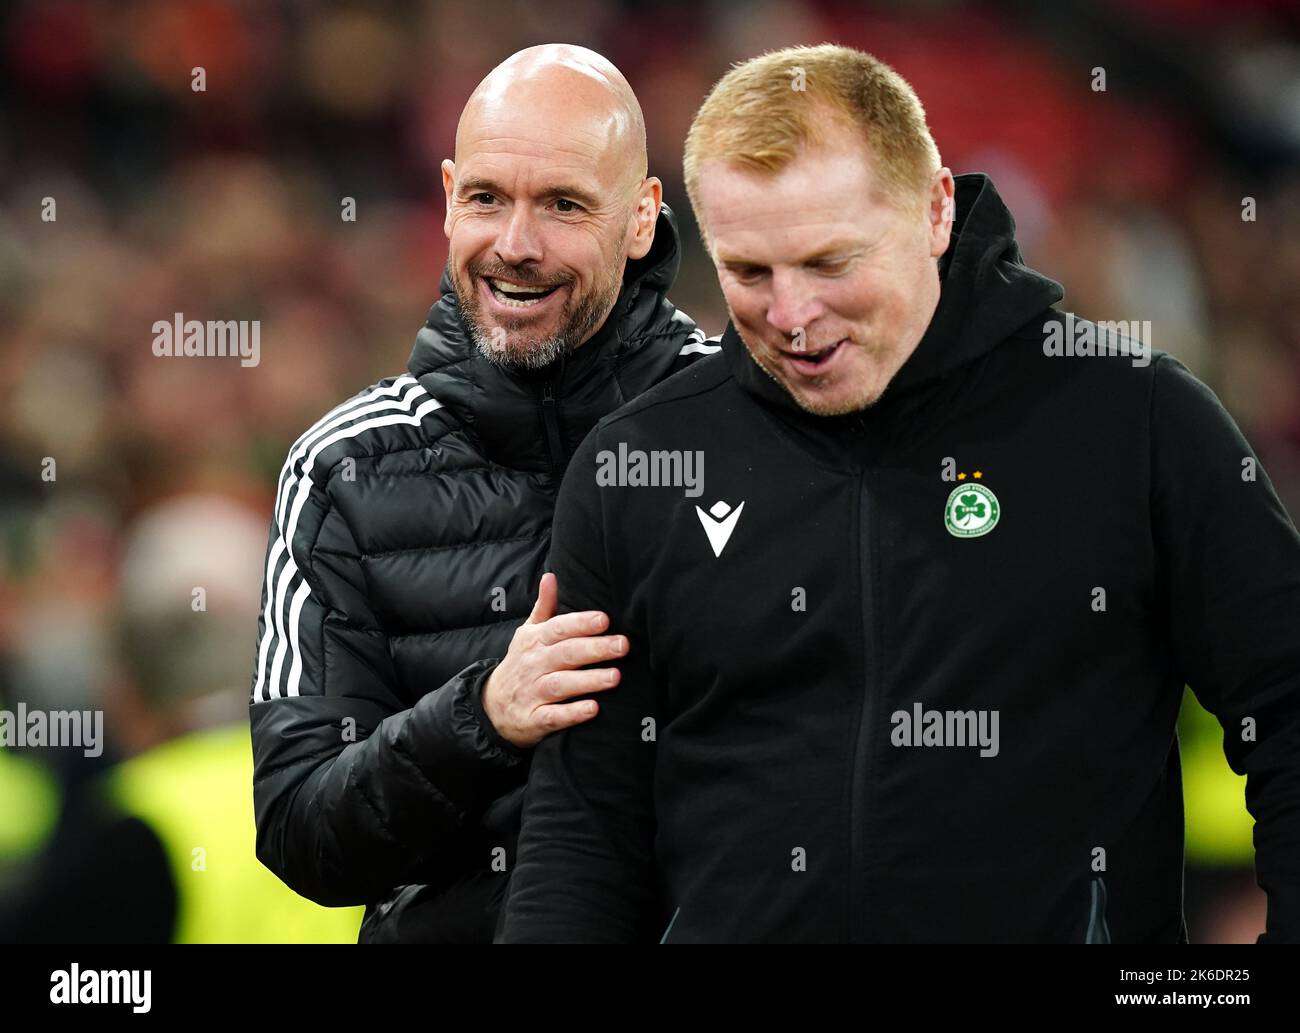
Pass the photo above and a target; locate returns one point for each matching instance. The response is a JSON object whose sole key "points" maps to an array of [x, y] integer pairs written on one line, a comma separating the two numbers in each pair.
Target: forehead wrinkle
{"points": [[552, 134], [496, 164], [597, 164], [532, 148]]}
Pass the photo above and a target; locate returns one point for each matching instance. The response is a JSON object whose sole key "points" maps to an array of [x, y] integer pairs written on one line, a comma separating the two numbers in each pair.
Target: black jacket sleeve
{"points": [[355, 791], [585, 868], [1229, 563]]}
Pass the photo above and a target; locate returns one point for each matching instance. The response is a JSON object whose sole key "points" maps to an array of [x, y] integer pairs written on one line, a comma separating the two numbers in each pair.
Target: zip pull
{"points": [[554, 441]]}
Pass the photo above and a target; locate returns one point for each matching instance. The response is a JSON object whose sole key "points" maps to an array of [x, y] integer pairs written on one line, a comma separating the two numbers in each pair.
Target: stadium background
{"points": [[227, 204]]}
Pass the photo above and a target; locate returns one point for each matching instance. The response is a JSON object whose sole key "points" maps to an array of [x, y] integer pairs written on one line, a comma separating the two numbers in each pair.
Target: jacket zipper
{"points": [[862, 751], [554, 440], [664, 938], [1097, 932]]}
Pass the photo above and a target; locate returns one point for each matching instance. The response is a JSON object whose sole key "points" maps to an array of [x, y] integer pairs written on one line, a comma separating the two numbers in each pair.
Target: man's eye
{"points": [[831, 268], [748, 273], [572, 206], [482, 198]]}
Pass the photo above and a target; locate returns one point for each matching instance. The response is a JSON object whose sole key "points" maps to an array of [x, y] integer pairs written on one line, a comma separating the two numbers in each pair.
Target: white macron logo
{"points": [[718, 523]]}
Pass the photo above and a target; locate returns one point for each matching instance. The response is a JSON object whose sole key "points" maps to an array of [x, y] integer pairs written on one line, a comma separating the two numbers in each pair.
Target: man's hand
{"points": [[523, 695]]}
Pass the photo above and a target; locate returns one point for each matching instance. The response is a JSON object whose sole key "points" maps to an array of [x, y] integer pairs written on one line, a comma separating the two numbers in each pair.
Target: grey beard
{"points": [[535, 357], [538, 355]]}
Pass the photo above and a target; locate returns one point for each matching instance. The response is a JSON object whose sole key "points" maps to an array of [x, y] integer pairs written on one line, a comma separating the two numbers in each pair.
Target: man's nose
{"points": [[793, 304], [519, 240]]}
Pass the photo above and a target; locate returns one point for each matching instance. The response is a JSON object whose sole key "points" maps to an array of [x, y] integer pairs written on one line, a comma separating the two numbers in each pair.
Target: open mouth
{"points": [[519, 295], [814, 361]]}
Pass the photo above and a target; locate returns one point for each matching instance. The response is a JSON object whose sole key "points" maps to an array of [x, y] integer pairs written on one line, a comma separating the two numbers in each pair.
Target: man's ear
{"points": [[449, 189], [941, 211], [650, 198]]}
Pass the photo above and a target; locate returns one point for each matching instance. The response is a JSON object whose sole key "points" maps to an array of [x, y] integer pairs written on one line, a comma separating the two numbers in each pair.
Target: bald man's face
{"points": [[544, 208]]}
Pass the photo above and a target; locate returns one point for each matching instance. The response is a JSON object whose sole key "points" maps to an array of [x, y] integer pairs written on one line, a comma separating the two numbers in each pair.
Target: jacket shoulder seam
{"points": [[641, 404]]}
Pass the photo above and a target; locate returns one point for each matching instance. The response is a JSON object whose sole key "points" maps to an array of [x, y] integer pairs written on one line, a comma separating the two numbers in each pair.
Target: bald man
{"points": [[409, 654]]}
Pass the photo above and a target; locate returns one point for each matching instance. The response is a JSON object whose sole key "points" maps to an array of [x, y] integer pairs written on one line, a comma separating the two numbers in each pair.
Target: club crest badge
{"points": [[972, 510]]}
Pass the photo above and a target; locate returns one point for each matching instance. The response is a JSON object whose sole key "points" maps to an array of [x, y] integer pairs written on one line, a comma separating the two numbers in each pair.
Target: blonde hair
{"points": [[763, 111]]}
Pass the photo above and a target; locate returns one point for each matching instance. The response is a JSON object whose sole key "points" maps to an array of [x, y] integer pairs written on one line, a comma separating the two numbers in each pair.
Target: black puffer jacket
{"points": [[409, 534]]}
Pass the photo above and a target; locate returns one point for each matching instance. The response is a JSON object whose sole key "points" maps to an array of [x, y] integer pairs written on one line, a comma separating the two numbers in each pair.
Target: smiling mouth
{"points": [[518, 295]]}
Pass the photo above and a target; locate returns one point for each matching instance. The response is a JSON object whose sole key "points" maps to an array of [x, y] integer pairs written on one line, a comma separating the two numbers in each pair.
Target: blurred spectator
{"points": [[160, 846]]}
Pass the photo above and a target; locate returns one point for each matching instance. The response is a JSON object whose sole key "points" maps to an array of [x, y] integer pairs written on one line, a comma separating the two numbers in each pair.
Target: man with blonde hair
{"points": [[909, 669]]}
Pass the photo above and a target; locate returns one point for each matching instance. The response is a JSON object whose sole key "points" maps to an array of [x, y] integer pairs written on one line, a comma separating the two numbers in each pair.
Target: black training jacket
{"points": [[794, 751], [409, 534]]}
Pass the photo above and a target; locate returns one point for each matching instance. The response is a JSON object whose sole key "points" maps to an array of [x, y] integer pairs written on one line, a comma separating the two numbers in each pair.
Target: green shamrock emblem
{"points": [[970, 505]]}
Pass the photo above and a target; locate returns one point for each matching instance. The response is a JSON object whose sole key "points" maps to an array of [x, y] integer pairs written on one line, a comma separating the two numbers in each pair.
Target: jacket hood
{"points": [[500, 407], [987, 294]]}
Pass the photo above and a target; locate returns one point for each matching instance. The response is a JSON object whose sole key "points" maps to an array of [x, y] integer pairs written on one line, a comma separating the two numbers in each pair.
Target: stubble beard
{"points": [[862, 399], [510, 347]]}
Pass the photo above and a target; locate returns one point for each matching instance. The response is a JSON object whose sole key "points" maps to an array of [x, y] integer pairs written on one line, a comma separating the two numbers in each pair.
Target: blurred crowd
{"points": [[1171, 195]]}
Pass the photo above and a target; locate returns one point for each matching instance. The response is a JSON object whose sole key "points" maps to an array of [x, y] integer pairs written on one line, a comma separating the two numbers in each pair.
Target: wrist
{"points": [[479, 701]]}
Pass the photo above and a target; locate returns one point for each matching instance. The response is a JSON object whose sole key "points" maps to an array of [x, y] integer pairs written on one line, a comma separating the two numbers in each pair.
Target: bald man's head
{"points": [[547, 199], [560, 81]]}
